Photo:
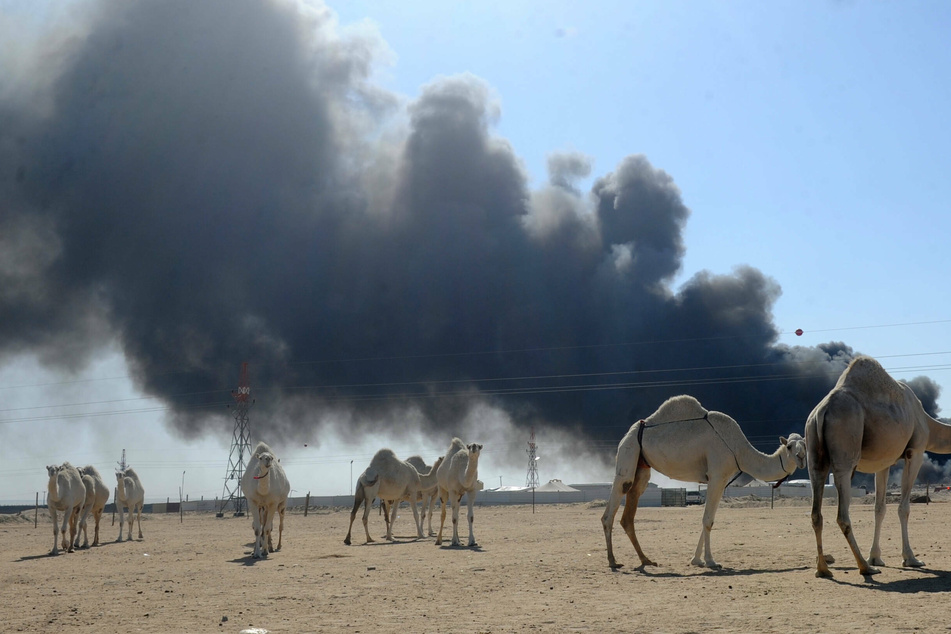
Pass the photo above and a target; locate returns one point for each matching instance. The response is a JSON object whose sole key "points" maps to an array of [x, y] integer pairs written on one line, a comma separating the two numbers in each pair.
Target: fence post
{"points": [[306, 503], [36, 509]]}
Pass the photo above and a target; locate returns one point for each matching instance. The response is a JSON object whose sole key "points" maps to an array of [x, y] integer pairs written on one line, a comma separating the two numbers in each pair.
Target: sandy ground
{"points": [[541, 572]]}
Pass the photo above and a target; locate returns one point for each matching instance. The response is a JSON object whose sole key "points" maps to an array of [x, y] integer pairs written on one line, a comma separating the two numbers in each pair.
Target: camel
{"points": [[266, 487], [97, 494], [684, 441], [868, 422], [429, 490], [66, 493], [387, 478], [458, 476], [130, 495]]}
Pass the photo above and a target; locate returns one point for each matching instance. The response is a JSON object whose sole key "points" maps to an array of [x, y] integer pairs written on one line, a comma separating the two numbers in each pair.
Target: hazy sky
{"points": [[375, 202]]}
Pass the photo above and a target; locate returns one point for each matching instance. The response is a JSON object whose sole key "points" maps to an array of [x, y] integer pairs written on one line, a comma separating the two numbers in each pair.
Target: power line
{"points": [[511, 351]]}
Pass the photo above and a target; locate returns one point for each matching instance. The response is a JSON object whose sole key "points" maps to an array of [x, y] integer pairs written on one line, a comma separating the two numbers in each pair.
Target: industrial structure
{"points": [[232, 496]]}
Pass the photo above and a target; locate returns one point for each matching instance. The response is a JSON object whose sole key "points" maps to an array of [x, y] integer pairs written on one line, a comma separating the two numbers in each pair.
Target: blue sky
{"points": [[808, 140]]}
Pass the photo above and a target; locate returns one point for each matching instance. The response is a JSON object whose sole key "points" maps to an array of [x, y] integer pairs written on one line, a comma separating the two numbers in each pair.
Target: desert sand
{"points": [[532, 572]]}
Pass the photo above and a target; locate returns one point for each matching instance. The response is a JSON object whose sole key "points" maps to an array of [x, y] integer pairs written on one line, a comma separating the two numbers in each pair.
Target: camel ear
{"points": [[783, 440]]}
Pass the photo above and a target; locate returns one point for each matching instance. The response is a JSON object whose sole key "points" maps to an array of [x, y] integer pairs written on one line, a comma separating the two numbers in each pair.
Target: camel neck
{"points": [[939, 436]]}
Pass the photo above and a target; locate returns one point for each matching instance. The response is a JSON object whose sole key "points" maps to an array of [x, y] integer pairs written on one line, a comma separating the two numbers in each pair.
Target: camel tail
{"points": [[629, 457], [359, 496], [818, 417]]}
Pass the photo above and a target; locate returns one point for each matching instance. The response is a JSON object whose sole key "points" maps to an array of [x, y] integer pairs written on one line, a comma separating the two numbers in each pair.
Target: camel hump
{"points": [[260, 448], [90, 470], [867, 378]]}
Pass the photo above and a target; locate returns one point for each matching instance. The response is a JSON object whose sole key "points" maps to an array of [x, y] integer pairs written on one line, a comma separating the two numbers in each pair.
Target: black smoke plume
{"points": [[209, 184]]}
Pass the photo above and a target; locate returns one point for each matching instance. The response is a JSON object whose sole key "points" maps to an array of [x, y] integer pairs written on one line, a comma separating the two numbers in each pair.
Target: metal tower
{"points": [[240, 447], [122, 464], [531, 480]]}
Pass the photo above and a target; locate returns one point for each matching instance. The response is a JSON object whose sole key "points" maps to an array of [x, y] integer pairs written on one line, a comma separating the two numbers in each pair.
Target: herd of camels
{"points": [[866, 423]]}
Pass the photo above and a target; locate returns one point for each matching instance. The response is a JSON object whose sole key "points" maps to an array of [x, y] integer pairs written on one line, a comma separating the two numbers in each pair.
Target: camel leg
{"points": [[280, 528], [470, 499], [138, 516], [607, 518], [908, 476], [55, 550], [258, 526], [843, 487], [714, 494], [268, 527], [387, 512], [366, 518], [416, 517], [73, 530], [121, 521], [881, 484], [83, 529], [97, 516], [642, 476], [818, 477], [456, 503], [432, 506], [443, 497], [357, 500]]}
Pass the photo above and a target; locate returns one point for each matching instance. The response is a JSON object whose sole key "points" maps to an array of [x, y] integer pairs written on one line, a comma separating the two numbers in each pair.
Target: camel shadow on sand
{"points": [[936, 581], [654, 571], [63, 552]]}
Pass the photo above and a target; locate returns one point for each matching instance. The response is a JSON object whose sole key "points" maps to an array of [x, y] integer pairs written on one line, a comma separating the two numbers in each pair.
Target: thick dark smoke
{"points": [[212, 184]]}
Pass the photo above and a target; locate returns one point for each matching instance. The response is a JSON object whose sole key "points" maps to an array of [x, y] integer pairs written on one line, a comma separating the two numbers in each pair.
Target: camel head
{"points": [[51, 470], [795, 446], [264, 465], [474, 450]]}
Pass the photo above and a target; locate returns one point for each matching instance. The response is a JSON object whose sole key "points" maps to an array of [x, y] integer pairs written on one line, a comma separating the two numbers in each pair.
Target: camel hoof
{"points": [[876, 561], [870, 571], [823, 574], [913, 563]]}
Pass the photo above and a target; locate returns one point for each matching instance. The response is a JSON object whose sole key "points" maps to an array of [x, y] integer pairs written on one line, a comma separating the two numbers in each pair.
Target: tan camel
{"points": [[130, 495], [684, 441], [65, 493], [458, 475], [97, 494], [387, 478], [266, 487], [429, 489], [868, 422]]}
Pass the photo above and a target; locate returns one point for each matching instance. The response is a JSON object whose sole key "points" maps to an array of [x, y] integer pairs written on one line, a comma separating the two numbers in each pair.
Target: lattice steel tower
{"points": [[531, 480], [232, 495]]}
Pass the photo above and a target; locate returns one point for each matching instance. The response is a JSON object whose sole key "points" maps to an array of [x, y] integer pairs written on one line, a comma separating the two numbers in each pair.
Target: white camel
{"points": [[387, 478], [97, 494], [266, 487], [129, 495], [428, 491], [457, 476], [684, 441], [868, 422], [65, 493]]}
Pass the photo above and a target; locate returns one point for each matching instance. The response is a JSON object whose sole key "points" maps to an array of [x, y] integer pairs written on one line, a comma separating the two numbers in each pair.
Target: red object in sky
{"points": [[798, 332]]}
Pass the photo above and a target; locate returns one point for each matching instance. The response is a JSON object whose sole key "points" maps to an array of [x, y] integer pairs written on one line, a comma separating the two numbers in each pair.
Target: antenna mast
{"points": [[531, 480], [232, 495]]}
